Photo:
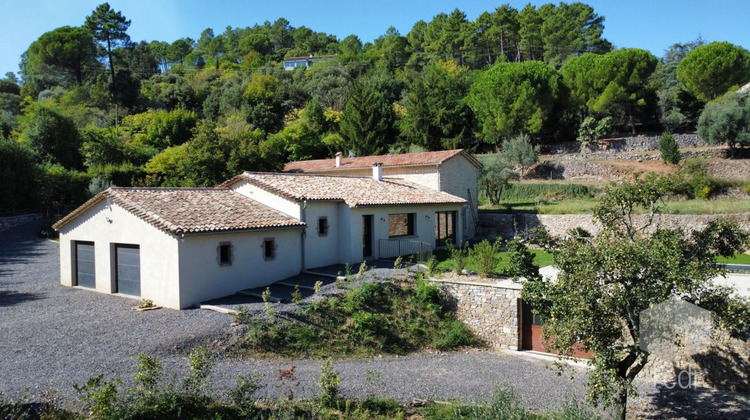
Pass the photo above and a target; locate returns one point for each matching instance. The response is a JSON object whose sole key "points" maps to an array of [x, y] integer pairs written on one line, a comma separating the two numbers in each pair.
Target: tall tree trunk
{"points": [[621, 403], [111, 65]]}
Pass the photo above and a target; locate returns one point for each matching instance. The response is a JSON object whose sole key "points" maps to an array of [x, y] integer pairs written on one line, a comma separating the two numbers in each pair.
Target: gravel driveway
{"points": [[52, 337]]}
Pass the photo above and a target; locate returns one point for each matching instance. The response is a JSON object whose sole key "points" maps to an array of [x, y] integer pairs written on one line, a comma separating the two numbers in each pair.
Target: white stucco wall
{"points": [[458, 175], [203, 278], [426, 176], [322, 250], [288, 207], [455, 176], [424, 229], [158, 252]]}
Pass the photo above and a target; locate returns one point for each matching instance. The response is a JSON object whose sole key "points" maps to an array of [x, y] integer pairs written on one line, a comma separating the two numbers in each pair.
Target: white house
{"points": [[182, 246], [176, 246], [350, 219], [452, 171]]}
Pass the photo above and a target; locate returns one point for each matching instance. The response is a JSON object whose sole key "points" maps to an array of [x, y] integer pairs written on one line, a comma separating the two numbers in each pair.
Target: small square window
{"points": [[323, 226], [224, 253], [269, 249]]}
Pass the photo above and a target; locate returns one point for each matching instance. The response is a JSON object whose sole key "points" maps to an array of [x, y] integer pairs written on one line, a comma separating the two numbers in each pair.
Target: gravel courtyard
{"points": [[52, 337]]}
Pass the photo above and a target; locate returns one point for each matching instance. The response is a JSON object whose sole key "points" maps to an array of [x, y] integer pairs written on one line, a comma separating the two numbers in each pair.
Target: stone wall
{"points": [[491, 311], [637, 143], [13, 221], [618, 168], [493, 225], [723, 365]]}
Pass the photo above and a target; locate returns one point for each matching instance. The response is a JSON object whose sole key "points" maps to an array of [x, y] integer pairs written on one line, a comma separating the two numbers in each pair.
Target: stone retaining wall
{"points": [[494, 225], [622, 144], [13, 221], [491, 311]]}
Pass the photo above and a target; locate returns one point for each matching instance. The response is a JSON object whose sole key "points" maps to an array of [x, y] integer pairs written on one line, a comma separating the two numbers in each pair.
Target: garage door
{"points": [[85, 265], [128, 269]]}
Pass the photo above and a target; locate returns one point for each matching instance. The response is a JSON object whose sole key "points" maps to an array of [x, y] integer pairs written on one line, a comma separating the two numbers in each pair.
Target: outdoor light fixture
{"points": [[108, 219]]}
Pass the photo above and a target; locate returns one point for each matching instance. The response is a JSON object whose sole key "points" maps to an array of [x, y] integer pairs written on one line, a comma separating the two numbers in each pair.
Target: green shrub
{"points": [[243, 315], [670, 152], [372, 295], [521, 262], [296, 295], [148, 373], [428, 295], [432, 266], [693, 180], [459, 255], [485, 256], [452, 333], [591, 129], [201, 362], [99, 396], [367, 325], [329, 385]]}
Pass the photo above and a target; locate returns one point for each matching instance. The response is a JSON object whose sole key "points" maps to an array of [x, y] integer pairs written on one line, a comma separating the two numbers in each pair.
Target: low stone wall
{"points": [[494, 225], [491, 311], [13, 221]]}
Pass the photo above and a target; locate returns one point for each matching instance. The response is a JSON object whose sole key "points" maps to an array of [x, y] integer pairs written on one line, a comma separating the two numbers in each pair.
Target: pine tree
{"points": [[367, 121], [670, 152], [110, 28]]}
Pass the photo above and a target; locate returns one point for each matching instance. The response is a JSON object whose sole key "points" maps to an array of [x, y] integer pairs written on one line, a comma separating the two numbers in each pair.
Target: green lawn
{"points": [[738, 259], [541, 258]]}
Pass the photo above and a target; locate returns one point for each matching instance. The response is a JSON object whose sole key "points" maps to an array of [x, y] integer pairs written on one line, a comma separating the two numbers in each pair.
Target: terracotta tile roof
{"points": [[408, 159], [355, 191], [189, 210]]}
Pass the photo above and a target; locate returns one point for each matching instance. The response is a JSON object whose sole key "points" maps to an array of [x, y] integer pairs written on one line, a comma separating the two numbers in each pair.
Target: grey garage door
{"points": [[85, 265], [128, 269]]}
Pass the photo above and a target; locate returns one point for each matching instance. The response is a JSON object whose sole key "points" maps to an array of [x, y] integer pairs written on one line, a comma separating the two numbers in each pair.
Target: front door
{"points": [[367, 236], [128, 269], [531, 334]]}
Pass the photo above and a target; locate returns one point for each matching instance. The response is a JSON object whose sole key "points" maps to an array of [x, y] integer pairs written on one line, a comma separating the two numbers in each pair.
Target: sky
{"points": [[653, 25]]}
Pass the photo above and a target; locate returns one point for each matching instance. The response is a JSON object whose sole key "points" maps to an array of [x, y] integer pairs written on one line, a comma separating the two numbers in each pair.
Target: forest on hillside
{"points": [[94, 108]]}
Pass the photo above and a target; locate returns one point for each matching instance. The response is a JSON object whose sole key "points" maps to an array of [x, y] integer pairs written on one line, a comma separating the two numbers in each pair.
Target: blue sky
{"points": [[647, 24]]}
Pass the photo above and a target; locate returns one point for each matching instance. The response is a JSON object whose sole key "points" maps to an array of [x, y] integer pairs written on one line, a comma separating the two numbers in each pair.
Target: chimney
{"points": [[338, 159], [377, 172]]}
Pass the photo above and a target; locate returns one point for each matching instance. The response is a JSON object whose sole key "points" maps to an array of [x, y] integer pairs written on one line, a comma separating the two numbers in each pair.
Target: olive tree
{"points": [[497, 172], [726, 121], [520, 152], [606, 281]]}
